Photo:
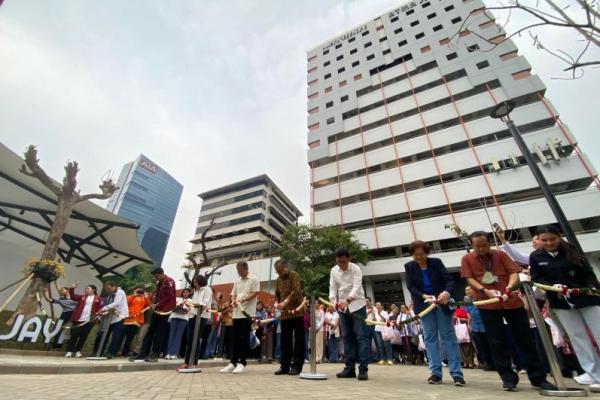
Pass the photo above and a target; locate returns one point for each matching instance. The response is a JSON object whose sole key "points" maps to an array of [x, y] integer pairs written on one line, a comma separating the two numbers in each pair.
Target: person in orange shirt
{"points": [[137, 303]]}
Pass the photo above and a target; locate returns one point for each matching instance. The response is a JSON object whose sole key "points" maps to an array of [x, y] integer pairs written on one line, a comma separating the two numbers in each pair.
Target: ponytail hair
{"points": [[571, 253]]}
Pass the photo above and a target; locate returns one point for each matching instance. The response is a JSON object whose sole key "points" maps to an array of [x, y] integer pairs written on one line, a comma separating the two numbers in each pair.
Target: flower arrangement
{"points": [[47, 270]]}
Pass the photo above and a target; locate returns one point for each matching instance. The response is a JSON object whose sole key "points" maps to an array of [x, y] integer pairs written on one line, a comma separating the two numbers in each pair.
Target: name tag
{"points": [[543, 263]]}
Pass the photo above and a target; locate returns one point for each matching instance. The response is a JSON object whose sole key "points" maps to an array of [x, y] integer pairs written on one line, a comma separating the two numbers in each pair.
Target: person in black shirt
{"points": [[558, 263]]}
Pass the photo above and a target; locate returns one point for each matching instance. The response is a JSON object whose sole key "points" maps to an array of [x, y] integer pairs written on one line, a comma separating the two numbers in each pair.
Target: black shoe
{"points": [[362, 376], [434, 380], [151, 359], [294, 371], [346, 373], [281, 371], [134, 359], [458, 381], [510, 387], [488, 367], [544, 385]]}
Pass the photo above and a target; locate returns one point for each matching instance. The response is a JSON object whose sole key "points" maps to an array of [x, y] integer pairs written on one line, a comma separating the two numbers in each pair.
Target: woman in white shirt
{"points": [[178, 321], [319, 331], [384, 344], [332, 320], [406, 334], [201, 300]]}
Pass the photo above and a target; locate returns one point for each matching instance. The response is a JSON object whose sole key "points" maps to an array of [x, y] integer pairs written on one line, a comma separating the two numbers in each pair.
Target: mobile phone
{"points": [[497, 227]]}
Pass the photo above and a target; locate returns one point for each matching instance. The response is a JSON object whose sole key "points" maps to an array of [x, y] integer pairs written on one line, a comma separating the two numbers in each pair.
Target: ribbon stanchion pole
{"points": [[105, 326], [313, 375], [193, 362], [562, 390]]}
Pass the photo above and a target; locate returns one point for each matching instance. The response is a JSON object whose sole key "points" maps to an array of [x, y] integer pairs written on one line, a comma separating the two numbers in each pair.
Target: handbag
{"points": [[387, 333], [462, 333]]}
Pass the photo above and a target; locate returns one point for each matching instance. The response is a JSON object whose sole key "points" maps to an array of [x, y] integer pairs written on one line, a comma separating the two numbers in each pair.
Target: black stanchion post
{"points": [[105, 326], [562, 390], [193, 360], [313, 345]]}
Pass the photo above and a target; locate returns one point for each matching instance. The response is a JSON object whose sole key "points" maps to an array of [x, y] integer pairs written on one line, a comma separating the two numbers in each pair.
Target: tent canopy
{"points": [[94, 236]]}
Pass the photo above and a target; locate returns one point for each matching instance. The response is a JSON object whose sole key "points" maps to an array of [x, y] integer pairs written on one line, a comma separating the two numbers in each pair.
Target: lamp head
{"points": [[503, 109]]}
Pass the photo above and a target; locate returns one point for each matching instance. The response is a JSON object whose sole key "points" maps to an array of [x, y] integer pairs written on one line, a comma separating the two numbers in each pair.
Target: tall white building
{"points": [[249, 218], [401, 142]]}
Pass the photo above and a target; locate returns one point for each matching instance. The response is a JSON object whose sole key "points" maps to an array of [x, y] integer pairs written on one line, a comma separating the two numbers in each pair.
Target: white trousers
{"points": [[575, 322]]}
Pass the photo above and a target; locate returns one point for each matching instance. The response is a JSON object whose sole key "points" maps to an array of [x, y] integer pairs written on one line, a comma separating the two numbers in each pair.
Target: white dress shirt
{"points": [[516, 255], [203, 297], [348, 283], [241, 290], [119, 304], [319, 320], [87, 309], [384, 317]]}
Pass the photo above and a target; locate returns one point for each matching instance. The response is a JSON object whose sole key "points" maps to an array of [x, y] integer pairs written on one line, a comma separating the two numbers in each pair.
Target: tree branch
{"points": [[578, 27], [107, 187], [32, 162]]}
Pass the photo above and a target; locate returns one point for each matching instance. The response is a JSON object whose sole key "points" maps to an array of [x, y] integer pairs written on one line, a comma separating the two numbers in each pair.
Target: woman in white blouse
{"points": [[332, 320], [178, 321], [319, 332]]}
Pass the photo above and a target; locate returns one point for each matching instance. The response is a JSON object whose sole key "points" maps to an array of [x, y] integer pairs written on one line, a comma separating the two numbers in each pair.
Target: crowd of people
{"points": [[496, 336]]}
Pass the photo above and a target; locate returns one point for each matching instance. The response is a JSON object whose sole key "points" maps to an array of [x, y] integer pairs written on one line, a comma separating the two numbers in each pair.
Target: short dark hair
{"points": [[368, 298], [186, 290], [157, 271], [417, 244], [243, 264], [201, 279], [479, 234], [109, 283], [281, 262], [342, 252]]}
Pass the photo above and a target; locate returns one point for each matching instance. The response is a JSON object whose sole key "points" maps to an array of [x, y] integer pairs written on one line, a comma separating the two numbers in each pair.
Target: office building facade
{"points": [[148, 196], [401, 144]]}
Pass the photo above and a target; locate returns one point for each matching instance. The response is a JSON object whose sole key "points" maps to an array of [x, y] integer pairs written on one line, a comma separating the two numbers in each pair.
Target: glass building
{"points": [[148, 196]]}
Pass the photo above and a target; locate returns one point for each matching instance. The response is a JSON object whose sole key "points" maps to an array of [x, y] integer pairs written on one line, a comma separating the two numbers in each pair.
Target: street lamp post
{"points": [[503, 110]]}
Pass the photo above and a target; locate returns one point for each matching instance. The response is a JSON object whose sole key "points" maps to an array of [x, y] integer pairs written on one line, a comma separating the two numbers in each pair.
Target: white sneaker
{"points": [[584, 379], [69, 354], [595, 387], [238, 369], [78, 354], [228, 369]]}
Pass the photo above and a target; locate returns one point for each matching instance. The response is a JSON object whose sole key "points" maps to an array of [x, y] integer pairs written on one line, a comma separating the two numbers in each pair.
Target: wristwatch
{"points": [[482, 290]]}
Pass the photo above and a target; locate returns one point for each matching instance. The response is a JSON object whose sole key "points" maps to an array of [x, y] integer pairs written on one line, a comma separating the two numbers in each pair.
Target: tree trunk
{"points": [[28, 304]]}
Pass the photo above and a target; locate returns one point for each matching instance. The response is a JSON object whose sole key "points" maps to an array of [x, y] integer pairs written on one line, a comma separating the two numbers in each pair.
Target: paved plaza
{"points": [[395, 382]]}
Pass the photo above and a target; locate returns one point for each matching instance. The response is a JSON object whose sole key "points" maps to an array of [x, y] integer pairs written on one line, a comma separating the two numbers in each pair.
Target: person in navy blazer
{"points": [[429, 282]]}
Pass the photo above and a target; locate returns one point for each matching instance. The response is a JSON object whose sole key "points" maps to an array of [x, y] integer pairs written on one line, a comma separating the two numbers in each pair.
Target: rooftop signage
{"points": [[148, 166], [345, 36]]}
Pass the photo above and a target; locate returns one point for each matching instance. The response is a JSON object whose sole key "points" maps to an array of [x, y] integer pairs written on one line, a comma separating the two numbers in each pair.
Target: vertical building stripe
{"points": [[339, 186]]}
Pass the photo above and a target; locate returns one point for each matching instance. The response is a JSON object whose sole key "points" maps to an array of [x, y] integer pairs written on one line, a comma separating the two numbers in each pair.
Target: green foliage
{"points": [[311, 252], [134, 277]]}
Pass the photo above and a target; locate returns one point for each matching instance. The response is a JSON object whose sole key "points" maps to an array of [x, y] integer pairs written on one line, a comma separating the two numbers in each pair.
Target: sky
{"points": [[211, 91]]}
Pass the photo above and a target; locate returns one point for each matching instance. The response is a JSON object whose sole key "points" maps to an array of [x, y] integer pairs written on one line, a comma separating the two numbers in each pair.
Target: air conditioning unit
{"points": [[512, 160], [495, 165], [552, 147], [540, 154]]}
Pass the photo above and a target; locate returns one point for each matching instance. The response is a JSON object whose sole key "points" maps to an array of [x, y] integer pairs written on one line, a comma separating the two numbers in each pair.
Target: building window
{"points": [[483, 64], [473, 48], [437, 28], [353, 51], [425, 49], [343, 83], [313, 69], [487, 24], [328, 89], [370, 57], [329, 104], [386, 51], [338, 58], [444, 41], [456, 20], [344, 98], [521, 74], [341, 70], [431, 16], [355, 63], [313, 127], [337, 46], [425, 5], [449, 8], [357, 77], [402, 43], [312, 58], [419, 35], [327, 76], [314, 144], [394, 19], [414, 23], [509, 55], [313, 96], [380, 27], [326, 52], [330, 120], [352, 39], [451, 56], [313, 110], [383, 39], [313, 82], [368, 44], [397, 31], [365, 33], [410, 12]]}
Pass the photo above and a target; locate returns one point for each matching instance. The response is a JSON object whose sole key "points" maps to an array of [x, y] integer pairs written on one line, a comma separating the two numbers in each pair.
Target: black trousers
{"points": [[79, 336], [518, 325], [482, 347], [205, 332], [240, 340], [292, 343], [190, 340], [129, 332], [225, 341], [155, 337]]}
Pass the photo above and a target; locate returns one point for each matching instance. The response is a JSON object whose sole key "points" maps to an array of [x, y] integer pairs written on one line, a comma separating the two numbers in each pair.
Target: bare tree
{"points": [[581, 17], [205, 261], [67, 195]]}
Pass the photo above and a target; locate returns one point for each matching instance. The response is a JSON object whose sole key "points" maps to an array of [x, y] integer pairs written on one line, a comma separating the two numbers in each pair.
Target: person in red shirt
{"points": [[163, 303], [491, 273], [88, 305]]}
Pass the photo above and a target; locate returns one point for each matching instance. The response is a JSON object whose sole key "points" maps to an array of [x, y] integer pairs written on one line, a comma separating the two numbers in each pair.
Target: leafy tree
{"points": [[137, 276], [311, 251]]}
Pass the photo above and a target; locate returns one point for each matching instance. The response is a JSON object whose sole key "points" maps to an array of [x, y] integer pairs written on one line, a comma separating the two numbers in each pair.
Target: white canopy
{"points": [[94, 236]]}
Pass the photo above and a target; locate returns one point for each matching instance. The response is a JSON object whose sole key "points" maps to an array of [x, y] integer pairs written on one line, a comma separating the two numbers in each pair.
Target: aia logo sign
{"points": [[148, 166]]}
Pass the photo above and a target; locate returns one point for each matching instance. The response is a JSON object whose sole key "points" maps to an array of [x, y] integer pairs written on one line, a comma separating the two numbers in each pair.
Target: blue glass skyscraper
{"points": [[148, 196]]}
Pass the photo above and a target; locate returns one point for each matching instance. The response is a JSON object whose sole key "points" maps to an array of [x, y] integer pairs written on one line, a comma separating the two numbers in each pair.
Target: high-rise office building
{"points": [[148, 196], [248, 219], [401, 143]]}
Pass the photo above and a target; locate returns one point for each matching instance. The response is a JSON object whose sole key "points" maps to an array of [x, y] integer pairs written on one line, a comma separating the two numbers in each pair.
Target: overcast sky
{"points": [[211, 91]]}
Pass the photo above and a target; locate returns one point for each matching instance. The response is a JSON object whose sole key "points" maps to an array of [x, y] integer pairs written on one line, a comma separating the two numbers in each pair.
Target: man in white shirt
{"points": [[117, 302], [346, 290], [244, 300], [516, 255]]}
